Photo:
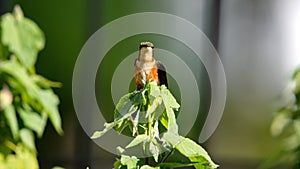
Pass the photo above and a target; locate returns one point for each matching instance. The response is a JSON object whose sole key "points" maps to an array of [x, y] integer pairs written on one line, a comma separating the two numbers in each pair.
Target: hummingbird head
{"points": [[146, 52]]}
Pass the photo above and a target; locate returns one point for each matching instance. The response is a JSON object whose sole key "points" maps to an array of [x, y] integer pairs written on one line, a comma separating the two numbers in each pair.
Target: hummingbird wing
{"points": [[162, 75]]}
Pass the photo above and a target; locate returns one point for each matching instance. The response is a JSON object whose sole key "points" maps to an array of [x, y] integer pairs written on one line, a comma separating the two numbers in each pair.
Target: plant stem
{"points": [[167, 156], [10, 145], [135, 127]]}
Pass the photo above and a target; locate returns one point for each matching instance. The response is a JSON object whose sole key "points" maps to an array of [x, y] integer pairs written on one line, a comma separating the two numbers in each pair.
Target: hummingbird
{"points": [[147, 69]]}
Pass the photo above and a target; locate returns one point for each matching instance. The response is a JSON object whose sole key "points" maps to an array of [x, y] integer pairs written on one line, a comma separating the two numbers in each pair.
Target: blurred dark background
{"points": [[258, 43]]}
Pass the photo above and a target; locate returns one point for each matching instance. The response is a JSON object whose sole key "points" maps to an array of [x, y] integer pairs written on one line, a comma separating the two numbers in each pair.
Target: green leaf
{"points": [[149, 167], [50, 103], [120, 150], [2, 161], [37, 97], [33, 121], [155, 107], [109, 126], [130, 162], [44, 83], [57, 167], [297, 128], [151, 149], [27, 138], [170, 103], [164, 120], [117, 164], [176, 164], [200, 162], [4, 53], [20, 75], [22, 36], [155, 150], [296, 79], [279, 123], [22, 159], [11, 117], [123, 106], [154, 90], [27, 157], [190, 149], [138, 140], [172, 125], [168, 98]]}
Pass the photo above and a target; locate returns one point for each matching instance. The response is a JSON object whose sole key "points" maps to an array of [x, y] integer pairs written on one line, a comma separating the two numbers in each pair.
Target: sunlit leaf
{"points": [[155, 107], [138, 140], [11, 117], [23, 158], [172, 125], [22, 36], [154, 90], [201, 162], [130, 162], [120, 150], [190, 149], [45, 83], [169, 98], [56, 167], [176, 164], [27, 157], [50, 103], [118, 164], [33, 121], [149, 167], [36, 96], [27, 138], [109, 126], [152, 149], [164, 120], [297, 128], [279, 123], [123, 105]]}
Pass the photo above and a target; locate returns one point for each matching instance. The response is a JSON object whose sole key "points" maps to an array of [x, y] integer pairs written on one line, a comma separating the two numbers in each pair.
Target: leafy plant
{"points": [[27, 100], [286, 123], [149, 117]]}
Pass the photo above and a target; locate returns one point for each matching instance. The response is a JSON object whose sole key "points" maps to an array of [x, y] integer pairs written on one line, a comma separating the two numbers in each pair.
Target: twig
{"points": [[167, 156], [135, 127]]}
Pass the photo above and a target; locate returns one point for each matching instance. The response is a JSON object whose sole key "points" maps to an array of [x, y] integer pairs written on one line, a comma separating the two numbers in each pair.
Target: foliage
{"points": [[26, 98], [149, 116], [286, 123]]}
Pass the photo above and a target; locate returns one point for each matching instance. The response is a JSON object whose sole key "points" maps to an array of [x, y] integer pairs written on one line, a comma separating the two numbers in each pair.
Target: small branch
{"points": [[10, 145], [167, 156], [135, 127]]}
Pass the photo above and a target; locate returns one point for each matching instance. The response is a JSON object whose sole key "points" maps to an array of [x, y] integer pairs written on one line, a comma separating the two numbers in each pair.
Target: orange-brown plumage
{"points": [[152, 76], [147, 69]]}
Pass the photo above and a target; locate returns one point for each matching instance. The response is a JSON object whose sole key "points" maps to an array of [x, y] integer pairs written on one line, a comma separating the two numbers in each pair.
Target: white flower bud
{"points": [[6, 97]]}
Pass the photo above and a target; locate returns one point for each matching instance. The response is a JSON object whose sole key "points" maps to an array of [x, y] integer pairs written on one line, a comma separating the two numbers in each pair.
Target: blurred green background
{"points": [[256, 42]]}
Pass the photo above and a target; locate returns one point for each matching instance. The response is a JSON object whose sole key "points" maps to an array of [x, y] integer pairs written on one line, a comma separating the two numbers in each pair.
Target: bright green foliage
{"points": [[148, 167], [22, 159], [27, 100], [286, 123], [22, 37], [126, 162], [149, 115], [190, 149]]}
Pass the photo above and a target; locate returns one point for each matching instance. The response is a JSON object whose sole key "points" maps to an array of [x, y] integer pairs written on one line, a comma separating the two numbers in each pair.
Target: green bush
{"points": [[286, 127], [149, 117], [27, 100]]}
